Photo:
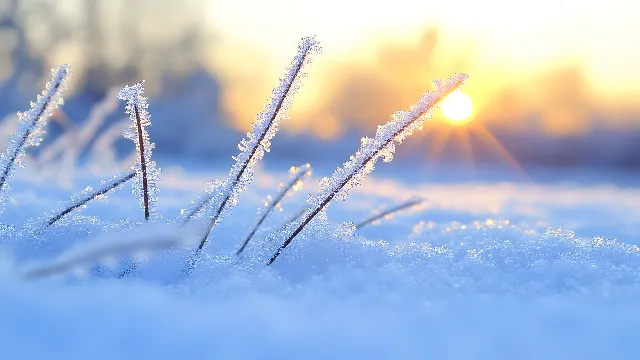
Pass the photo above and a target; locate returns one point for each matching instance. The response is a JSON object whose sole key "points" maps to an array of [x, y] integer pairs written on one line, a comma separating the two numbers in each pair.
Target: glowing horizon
{"points": [[561, 67], [523, 36]]}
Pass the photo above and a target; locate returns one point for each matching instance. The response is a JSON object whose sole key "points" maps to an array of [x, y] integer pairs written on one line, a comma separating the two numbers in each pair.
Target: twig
{"points": [[402, 125], [400, 207], [298, 176], [143, 166], [137, 109], [32, 123], [108, 186], [265, 129], [225, 195], [94, 253]]}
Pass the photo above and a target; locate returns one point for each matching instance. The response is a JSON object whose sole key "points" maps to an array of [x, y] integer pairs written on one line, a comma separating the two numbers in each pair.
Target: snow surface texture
{"points": [[416, 286]]}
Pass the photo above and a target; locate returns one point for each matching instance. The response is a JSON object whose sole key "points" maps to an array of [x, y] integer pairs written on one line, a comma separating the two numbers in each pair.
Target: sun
{"points": [[457, 107]]}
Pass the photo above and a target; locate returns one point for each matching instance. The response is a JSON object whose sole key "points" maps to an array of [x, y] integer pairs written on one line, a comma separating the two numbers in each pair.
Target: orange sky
{"points": [[564, 62]]}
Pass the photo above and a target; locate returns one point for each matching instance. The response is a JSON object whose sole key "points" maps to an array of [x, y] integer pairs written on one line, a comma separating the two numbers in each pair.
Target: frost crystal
{"points": [[224, 196], [31, 127], [351, 174], [147, 174]]}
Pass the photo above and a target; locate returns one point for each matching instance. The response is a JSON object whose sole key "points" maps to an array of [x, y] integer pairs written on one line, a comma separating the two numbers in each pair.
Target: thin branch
{"points": [[258, 144], [84, 200], [144, 185], [265, 130], [94, 253], [143, 164], [400, 207], [301, 174], [32, 123], [403, 124]]}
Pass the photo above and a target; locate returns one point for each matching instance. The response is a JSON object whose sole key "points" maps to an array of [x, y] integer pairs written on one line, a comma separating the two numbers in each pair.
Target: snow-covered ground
{"points": [[473, 274]]}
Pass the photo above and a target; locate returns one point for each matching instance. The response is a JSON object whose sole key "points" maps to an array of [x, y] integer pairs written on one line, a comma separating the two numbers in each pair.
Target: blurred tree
{"points": [[108, 42]]}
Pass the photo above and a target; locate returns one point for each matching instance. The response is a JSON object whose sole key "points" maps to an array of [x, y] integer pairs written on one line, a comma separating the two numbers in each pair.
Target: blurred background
{"points": [[555, 84]]}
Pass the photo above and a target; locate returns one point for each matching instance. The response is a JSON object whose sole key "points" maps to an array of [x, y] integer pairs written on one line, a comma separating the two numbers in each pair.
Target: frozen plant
{"points": [[297, 177], [351, 174], [70, 144], [80, 200], [389, 212], [31, 127], [108, 247], [147, 174], [223, 196]]}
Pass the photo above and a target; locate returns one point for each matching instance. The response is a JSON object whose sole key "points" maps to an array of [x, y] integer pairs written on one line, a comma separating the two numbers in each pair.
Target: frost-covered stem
{"points": [[397, 129], [212, 223], [266, 128], [143, 164], [144, 187], [35, 120], [258, 143], [388, 212], [108, 187], [313, 214], [305, 171], [196, 209], [93, 255], [281, 99]]}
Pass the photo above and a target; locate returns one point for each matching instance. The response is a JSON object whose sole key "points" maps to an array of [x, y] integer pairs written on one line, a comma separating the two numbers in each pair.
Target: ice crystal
{"points": [[351, 174], [223, 197], [147, 173], [31, 127]]}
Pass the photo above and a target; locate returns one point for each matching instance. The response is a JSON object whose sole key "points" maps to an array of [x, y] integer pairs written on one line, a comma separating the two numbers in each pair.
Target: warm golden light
{"points": [[457, 107]]}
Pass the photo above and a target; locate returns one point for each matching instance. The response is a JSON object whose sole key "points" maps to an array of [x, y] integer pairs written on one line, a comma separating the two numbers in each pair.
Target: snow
{"points": [[418, 285]]}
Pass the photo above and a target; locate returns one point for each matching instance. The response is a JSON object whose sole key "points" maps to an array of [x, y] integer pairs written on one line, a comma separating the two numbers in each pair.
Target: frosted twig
{"points": [[72, 142], [92, 253], [403, 124], [224, 196], [83, 198], [388, 212], [298, 176], [144, 187], [31, 127]]}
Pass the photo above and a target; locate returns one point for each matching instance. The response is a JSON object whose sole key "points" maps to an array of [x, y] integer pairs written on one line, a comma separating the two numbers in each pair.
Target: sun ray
{"points": [[440, 141], [485, 135], [463, 136]]}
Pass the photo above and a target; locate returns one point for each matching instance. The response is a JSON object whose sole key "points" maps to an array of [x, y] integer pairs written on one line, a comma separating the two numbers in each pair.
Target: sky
{"points": [[555, 67], [564, 62]]}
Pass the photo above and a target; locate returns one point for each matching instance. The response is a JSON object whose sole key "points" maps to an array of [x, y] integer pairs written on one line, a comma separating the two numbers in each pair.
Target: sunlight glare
{"points": [[457, 107]]}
